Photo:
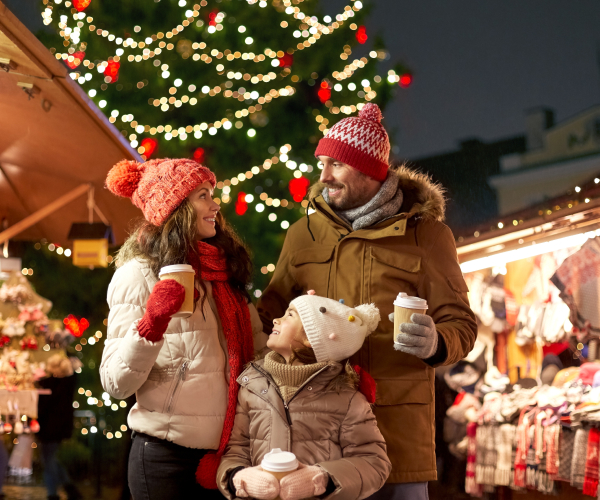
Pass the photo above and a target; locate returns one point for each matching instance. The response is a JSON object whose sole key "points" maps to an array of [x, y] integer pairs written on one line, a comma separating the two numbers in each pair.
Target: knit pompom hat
{"points": [[335, 331], [359, 141], [157, 187]]}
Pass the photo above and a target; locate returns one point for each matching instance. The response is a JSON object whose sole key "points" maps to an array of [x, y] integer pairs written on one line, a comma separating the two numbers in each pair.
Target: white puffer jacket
{"points": [[181, 382]]}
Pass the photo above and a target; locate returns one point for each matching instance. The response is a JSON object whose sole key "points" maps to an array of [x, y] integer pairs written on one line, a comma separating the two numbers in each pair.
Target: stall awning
{"points": [[54, 141]]}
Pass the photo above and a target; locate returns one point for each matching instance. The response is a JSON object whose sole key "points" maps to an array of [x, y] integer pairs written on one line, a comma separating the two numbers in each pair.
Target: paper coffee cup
{"points": [[279, 463], [404, 307], [184, 275]]}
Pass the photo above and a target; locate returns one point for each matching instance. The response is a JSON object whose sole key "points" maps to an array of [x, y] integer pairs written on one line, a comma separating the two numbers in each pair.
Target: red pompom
{"points": [[206, 473], [367, 384], [124, 177], [371, 112]]}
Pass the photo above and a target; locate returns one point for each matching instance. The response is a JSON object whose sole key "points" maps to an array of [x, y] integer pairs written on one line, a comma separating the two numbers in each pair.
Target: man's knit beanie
{"points": [[157, 187], [335, 331], [359, 141]]}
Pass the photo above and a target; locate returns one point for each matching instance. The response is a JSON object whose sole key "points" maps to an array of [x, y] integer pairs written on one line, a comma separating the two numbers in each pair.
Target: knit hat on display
{"points": [[335, 331], [359, 141], [157, 187]]}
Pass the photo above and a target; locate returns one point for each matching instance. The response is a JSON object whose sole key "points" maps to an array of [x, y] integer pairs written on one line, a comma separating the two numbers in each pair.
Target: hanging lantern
{"points": [[90, 243]]}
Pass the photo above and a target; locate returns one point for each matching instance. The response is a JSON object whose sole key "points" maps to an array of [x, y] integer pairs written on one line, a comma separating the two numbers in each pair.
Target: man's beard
{"points": [[347, 199]]}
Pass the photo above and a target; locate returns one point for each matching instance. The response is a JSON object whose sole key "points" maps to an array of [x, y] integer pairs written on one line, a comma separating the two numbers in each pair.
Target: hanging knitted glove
{"points": [[306, 482], [256, 483], [166, 299], [418, 338]]}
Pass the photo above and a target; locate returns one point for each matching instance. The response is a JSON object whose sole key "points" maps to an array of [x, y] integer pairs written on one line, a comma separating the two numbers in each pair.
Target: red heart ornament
{"points": [[77, 59], [81, 4]]}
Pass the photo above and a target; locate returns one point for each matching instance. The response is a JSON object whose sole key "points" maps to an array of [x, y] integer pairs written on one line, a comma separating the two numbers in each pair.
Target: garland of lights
{"points": [[316, 29]]}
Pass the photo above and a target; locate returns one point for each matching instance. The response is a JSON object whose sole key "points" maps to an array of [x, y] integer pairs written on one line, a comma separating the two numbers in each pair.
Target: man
{"points": [[376, 232]]}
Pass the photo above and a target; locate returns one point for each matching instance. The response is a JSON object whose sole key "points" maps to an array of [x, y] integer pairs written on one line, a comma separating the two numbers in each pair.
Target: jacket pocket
{"points": [[311, 267], [397, 392], [180, 376], [389, 273]]}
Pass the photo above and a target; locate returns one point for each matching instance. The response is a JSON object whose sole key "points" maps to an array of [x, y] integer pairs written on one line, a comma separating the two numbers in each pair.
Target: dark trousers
{"points": [[402, 491], [161, 470], [55, 474]]}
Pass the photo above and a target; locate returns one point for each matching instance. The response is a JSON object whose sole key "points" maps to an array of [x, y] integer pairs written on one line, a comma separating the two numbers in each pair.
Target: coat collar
{"points": [[422, 197]]}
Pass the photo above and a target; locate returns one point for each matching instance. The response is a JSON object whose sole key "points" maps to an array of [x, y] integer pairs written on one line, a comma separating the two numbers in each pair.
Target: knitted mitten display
{"points": [[255, 483], [166, 299], [306, 482]]}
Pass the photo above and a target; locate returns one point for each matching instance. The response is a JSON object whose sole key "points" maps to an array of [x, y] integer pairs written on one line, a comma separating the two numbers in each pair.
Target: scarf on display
{"points": [[235, 321], [565, 454], [506, 435], [552, 436], [579, 458], [386, 203], [287, 377], [471, 486], [590, 481], [522, 447]]}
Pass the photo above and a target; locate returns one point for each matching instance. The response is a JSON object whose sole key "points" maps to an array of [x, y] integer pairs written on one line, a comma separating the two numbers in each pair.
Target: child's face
{"points": [[288, 333]]}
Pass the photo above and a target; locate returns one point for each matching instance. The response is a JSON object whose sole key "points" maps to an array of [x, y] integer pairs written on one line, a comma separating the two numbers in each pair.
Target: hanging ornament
{"points": [[112, 71], [212, 17], [286, 61], [298, 188], [34, 426], [324, 92], [81, 5], [361, 35], [198, 155], [405, 80], [241, 205], [75, 326], [77, 59], [149, 146]]}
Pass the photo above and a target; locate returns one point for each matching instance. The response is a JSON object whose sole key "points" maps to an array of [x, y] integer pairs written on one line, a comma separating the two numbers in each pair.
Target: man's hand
{"points": [[255, 483], [418, 338]]}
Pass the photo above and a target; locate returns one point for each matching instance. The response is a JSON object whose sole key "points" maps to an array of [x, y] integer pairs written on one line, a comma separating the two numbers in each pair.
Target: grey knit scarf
{"points": [[384, 204]]}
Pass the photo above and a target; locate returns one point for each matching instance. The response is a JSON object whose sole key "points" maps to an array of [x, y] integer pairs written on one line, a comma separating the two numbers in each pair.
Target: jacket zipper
{"points": [[285, 405], [181, 375]]}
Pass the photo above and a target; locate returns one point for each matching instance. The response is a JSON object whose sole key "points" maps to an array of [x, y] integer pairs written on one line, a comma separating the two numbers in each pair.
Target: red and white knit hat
{"points": [[157, 187], [359, 141]]}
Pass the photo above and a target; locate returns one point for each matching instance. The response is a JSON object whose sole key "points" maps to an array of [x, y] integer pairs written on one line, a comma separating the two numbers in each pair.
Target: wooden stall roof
{"points": [[53, 142]]}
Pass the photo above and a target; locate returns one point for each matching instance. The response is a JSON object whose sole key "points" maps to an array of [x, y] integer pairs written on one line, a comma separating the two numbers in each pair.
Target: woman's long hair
{"points": [[175, 242]]}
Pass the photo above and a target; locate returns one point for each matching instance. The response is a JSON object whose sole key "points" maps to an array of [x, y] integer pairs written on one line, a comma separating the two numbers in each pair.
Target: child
{"points": [[302, 397]]}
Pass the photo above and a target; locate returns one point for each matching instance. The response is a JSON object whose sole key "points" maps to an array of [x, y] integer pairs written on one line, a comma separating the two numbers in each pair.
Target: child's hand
{"points": [[256, 483], [306, 482]]}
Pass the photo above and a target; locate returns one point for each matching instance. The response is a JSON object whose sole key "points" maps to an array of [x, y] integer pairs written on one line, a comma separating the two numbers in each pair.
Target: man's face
{"points": [[348, 188]]}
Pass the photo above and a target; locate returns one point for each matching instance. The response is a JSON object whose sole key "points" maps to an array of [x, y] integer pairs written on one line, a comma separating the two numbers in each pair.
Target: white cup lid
{"points": [[176, 268], [279, 461], [405, 300]]}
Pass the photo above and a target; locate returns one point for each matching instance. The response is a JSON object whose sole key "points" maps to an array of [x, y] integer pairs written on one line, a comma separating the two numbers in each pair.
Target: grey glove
{"points": [[418, 338]]}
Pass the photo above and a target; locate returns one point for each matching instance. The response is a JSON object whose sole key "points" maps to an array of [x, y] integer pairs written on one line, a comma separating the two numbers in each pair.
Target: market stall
{"points": [[528, 404]]}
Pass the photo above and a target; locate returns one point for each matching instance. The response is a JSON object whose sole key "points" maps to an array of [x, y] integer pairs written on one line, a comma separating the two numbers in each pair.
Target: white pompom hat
{"points": [[334, 330]]}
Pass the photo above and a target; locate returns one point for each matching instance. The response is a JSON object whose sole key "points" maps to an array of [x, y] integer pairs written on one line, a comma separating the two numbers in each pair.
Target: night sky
{"points": [[477, 65]]}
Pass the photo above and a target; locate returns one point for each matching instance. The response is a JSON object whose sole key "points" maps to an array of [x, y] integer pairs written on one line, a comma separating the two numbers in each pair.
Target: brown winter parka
{"points": [[411, 252], [326, 422]]}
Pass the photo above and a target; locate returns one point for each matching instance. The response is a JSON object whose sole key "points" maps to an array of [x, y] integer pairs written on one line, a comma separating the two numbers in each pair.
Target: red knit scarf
{"points": [[235, 320], [590, 482]]}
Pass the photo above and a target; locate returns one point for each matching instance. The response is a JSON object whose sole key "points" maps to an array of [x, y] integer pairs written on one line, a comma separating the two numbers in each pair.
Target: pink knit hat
{"points": [[157, 187], [359, 141]]}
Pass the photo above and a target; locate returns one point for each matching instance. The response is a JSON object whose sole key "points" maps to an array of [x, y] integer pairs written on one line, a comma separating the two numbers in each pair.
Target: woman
{"points": [[183, 370]]}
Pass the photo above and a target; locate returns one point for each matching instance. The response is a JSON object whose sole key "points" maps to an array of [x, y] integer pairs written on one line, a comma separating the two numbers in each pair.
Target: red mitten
{"points": [[165, 300]]}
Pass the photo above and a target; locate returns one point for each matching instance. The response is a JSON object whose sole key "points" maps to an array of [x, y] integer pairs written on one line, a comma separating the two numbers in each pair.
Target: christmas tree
{"points": [[247, 87]]}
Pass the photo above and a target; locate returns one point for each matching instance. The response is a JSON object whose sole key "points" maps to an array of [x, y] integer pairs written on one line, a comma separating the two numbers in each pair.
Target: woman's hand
{"points": [[307, 481], [165, 300], [255, 483]]}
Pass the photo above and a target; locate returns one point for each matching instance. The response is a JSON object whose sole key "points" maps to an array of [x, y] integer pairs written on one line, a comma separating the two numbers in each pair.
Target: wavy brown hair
{"points": [[175, 242]]}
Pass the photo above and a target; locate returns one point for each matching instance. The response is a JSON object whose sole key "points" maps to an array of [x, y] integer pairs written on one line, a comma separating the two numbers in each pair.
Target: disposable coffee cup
{"points": [[279, 463], [404, 307], [184, 275]]}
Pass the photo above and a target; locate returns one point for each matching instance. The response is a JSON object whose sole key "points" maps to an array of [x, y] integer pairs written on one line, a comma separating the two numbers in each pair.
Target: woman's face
{"points": [[288, 333], [206, 210]]}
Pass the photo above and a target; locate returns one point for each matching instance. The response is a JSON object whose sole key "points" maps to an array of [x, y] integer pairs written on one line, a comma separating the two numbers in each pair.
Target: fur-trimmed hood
{"points": [[422, 196]]}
